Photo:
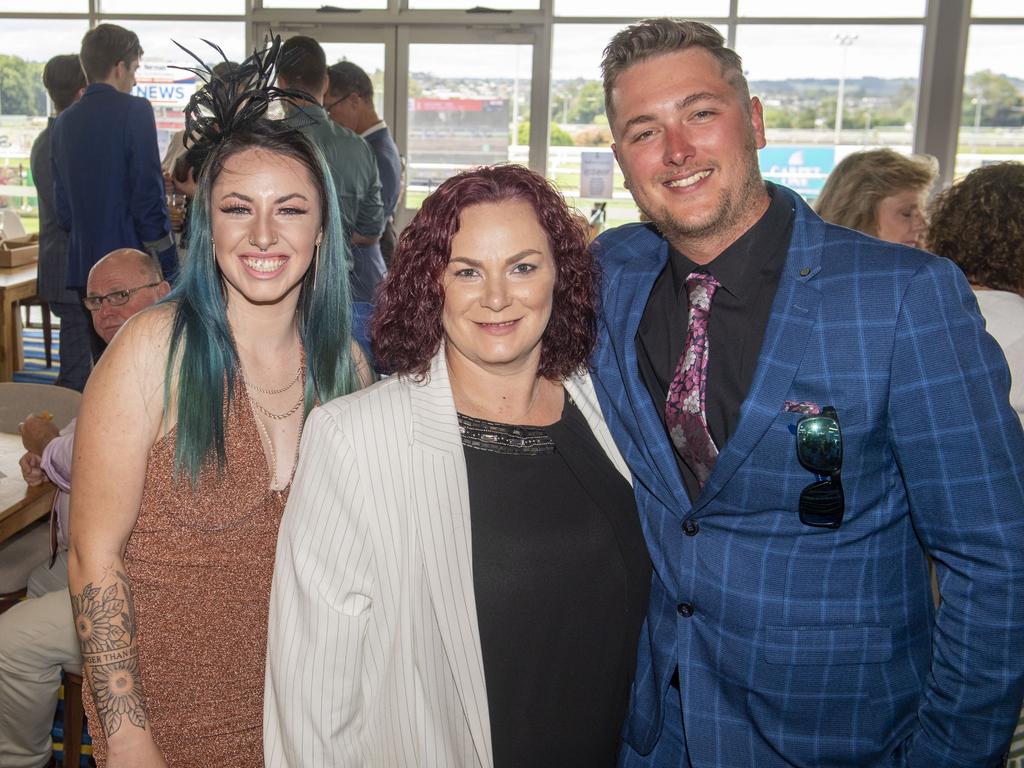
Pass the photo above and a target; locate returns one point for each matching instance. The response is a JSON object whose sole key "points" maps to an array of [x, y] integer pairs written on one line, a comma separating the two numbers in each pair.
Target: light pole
{"points": [[978, 102], [845, 41]]}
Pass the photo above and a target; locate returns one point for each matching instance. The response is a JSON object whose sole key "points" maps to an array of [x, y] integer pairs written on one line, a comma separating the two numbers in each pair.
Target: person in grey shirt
{"points": [[349, 103], [303, 67]]}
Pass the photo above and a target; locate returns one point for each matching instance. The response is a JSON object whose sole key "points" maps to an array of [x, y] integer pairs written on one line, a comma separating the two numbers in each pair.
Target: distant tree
{"points": [[557, 136], [778, 117], [588, 103], [20, 85], [1002, 103]]}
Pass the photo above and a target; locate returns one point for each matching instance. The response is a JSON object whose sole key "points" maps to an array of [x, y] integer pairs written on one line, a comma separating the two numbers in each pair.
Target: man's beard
{"points": [[731, 205]]}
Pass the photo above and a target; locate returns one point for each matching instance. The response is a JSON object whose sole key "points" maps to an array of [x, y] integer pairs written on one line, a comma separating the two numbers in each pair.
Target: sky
{"points": [[769, 52]]}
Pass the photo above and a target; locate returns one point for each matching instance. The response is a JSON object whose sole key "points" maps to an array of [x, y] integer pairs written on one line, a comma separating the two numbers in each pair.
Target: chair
{"points": [[74, 718], [19, 555], [18, 400], [47, 324], [10, 224]]}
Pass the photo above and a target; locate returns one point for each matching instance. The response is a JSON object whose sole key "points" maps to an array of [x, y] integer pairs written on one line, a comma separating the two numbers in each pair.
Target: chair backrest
{"points": [[12, 225], [18, 400]]}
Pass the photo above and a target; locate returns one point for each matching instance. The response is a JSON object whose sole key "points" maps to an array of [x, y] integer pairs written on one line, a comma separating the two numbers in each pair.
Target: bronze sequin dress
{"points": [[200, 565]]}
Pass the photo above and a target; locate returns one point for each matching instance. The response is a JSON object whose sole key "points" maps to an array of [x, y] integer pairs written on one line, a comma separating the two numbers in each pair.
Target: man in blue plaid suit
{"points": [[771, 642]]}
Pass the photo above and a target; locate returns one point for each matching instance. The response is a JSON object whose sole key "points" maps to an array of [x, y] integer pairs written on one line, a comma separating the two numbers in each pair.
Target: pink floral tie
{"points": [[684, 407]]}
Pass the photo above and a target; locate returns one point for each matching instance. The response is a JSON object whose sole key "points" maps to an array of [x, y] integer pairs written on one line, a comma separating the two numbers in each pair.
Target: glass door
{"points": [[453, 98], [469, 94]]}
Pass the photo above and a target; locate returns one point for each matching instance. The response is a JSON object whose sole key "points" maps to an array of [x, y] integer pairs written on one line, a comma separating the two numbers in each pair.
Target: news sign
{"points": [[165, 87]]}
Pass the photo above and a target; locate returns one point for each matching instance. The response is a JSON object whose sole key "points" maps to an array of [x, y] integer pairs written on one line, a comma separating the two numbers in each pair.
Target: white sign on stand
{"points": [[596, 171]]}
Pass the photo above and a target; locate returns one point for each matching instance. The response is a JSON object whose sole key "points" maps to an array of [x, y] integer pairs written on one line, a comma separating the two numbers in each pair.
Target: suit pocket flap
{"points": [[860, 644]]}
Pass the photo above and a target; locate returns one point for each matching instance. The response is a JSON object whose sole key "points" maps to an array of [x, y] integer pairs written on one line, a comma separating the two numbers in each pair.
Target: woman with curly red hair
{"points": [[461, 574]]}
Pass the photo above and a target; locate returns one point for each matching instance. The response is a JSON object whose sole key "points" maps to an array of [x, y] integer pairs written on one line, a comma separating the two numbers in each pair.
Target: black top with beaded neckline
{"points": [[561, 576]]}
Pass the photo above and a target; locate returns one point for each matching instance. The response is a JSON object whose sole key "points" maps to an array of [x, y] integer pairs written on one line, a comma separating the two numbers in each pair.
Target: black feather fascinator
{"points": [[233, 100]]}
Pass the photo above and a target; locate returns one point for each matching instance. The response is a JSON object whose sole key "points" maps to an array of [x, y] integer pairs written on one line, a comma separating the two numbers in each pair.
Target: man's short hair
{"points": [[303, 64], [347, 78], [656, 37], [63, 78], [104, 46], [148, 267]]}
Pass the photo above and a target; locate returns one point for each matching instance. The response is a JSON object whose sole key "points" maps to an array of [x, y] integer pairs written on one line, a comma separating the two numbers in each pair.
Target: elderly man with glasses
{"points": [[37, 636]]}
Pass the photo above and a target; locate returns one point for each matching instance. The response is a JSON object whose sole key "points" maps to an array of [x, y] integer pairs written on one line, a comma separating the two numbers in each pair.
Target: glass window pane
{"points": [[27, 45], [639, 9], [816, 9], [169, 89], [328, 17], [465, 5], [44, 6], [874, 68], [184, 7], [369, 57], [457, 122], [997, 8], [992, 115]]}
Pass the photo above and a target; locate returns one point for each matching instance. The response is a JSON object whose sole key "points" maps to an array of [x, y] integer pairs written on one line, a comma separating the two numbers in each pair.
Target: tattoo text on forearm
{"points": [[105, 622]]}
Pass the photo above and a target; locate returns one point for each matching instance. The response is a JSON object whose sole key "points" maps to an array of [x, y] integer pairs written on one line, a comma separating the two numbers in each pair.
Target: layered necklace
{"points": [[252, 389]]}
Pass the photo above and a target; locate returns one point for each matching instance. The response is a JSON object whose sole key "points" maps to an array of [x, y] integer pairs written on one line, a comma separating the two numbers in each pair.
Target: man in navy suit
{"points": [[65, 83], [108, 185], [851, 416]]}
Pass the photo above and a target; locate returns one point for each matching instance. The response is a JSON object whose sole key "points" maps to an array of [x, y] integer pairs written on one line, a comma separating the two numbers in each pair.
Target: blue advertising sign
{"points": [[802, 169]]}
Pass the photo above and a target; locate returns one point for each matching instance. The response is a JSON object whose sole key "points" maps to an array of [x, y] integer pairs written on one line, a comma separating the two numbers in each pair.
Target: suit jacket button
{"points": [[685, 610], [690, 527]]}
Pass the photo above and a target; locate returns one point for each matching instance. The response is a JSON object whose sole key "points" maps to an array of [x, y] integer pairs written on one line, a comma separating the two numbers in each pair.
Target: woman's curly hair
{"points": [[406, 328], [979, 224]]}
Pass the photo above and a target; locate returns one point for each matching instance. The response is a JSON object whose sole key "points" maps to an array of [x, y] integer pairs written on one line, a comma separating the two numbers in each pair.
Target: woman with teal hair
{"points": [[188, 437]]}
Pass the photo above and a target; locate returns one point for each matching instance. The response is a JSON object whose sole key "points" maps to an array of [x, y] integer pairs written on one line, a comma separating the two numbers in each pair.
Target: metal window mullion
{"points": [[940, 93], [540, 99]]}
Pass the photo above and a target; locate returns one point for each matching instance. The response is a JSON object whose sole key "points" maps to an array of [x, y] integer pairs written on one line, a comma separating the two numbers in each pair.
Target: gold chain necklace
{"points": [[285, 415], [298, 403], [253, 388]]}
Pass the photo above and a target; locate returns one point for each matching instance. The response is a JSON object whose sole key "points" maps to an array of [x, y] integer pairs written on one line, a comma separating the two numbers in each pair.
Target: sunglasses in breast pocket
{"points": [[819, 448]]}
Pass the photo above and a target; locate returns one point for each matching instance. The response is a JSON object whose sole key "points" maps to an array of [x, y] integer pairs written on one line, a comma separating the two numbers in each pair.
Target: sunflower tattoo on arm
{"points": [[105, 623]]}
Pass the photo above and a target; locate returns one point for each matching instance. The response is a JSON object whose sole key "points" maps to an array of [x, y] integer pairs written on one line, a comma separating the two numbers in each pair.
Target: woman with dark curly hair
{"points": [[461, 573], [978, 223]]}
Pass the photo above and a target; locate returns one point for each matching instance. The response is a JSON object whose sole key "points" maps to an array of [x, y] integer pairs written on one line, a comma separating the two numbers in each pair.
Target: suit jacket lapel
{"points": [[581, 390], [627, 294], [793, 315], [442, 499]]}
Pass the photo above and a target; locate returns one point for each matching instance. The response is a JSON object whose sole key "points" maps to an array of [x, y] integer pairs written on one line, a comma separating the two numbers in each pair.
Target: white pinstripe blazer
{"points": [[374, 649]]}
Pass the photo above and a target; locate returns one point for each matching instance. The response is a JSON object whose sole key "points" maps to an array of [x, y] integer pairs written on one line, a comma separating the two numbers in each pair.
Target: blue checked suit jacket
{"points": [[813, 647]]}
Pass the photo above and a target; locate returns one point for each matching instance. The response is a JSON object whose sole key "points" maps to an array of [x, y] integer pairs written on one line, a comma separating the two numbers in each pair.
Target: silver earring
{"points": [[316, 264]]}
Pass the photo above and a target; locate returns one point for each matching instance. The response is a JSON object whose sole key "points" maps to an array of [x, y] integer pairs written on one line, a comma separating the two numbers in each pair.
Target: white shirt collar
{"points": [[374, 128]]}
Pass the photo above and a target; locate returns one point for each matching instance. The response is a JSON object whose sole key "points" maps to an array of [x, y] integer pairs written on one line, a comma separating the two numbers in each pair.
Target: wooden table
{"points": [[20, 505], [16, 283]]}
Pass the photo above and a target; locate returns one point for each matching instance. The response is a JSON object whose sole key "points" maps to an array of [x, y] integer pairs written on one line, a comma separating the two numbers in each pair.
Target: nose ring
{"points": [[260, 247]]}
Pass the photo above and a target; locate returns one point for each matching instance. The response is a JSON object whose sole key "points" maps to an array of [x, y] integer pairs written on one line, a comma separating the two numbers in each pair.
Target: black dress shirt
{"points": [[748, 271]]}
